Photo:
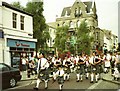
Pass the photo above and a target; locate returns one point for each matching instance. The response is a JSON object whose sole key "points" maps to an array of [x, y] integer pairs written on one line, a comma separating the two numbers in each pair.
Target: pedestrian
{"points": [[42, 70], [107, 65]]}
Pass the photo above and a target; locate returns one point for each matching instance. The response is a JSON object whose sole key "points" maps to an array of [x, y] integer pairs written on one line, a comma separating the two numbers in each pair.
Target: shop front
{"points": [[20, 50]]}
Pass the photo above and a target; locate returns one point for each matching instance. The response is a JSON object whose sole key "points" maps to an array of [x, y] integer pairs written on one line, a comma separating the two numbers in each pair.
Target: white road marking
{"points": [[94, 85]]}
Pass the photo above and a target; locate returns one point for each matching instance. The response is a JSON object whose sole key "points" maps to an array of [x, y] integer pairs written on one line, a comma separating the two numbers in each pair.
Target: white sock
{"points": [[46, 83], [96, 77], [87, 74], [64, 76], [68, 76], [38, 82], [78, 77], [60, 86], [54, 76], [81, 77], [92, 76]]}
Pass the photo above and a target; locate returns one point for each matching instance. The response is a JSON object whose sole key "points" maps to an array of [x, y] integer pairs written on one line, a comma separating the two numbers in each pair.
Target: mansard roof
{"points": [[88, 5], [66, 9]]}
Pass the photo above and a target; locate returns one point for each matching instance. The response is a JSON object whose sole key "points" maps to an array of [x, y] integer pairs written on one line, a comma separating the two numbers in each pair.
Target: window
{"points": [[78, 23], [71, 24], [63, 23], [22, 22], [14, 20]]}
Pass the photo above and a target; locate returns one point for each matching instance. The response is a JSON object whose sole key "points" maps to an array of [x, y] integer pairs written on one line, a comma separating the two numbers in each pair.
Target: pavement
{"points": [[108, 77], [105, 77]]}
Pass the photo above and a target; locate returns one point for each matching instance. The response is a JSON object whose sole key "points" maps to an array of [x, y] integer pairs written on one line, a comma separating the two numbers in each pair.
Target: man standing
{"points": [[42, 71]]}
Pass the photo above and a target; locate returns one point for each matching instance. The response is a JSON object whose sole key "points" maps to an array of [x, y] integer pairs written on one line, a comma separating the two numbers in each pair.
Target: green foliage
{"points": [[18, 5], [61, 38], [83, 38]]}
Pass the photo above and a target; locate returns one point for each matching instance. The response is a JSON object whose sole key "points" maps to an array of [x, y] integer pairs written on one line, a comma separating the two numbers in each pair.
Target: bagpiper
{"points": [[42, 70], [94, 61], [67, 63], [60, 76], [87, 66], [80, 68]]}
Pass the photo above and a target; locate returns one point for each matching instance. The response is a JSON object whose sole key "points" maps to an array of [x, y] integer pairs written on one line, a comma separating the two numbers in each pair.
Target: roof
{"points": [[66, 9], [16, 9], [89, 5]]}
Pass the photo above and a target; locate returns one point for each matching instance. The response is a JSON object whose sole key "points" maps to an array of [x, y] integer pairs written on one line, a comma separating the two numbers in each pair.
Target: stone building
{"points": [[82, 11]]}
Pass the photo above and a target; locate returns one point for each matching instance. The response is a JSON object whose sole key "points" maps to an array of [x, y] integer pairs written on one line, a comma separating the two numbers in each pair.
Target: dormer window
{"points": [[66, 13]]}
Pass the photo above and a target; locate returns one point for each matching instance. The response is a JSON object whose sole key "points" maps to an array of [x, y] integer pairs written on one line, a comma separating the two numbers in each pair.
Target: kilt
{"points": [[43, 74], [87, 69], [67, 70], [82, 69], [94, 69], [60, 80], [78, 69], [101, 69]]}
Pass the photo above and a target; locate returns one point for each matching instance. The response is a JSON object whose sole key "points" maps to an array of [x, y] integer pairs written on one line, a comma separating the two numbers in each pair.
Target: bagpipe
{"points": [[68, 63], [81, 62]]}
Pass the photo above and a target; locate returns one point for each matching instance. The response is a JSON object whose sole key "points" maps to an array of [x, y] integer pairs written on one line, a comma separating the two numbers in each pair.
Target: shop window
{"points": [[14, 20], [22, 22]]}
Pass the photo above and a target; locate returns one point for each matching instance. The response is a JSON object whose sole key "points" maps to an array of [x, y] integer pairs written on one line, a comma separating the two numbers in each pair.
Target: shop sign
{"points": [[20, 44]]}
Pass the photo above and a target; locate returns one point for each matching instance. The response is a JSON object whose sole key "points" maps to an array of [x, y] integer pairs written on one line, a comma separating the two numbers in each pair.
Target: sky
{"points": [[107, 11]]}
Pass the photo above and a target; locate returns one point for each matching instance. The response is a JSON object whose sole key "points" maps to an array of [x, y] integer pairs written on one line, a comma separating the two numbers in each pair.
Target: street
{"points": [[72, 84]]}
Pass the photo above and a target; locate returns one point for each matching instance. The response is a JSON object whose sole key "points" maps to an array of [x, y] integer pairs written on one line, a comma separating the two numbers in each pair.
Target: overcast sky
{"points": [[107, 11]]}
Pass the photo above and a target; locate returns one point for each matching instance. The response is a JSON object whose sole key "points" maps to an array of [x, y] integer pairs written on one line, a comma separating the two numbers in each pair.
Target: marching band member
{"points": [[60, 76], [42, 71], [67, 64], [94, 67], [87, 66]]}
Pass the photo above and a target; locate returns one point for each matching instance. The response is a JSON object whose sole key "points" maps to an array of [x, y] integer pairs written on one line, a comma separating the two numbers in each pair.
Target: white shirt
{"points": [[44, 63], [92, 59], [24, 61]]}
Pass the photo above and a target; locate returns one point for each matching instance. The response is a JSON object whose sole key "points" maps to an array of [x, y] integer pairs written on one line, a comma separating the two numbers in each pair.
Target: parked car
{"points": [[9, 75]]}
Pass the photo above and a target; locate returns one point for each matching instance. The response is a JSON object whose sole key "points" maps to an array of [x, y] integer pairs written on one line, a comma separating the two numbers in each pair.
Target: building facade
{"points": [[16, 35], [82, 11]]}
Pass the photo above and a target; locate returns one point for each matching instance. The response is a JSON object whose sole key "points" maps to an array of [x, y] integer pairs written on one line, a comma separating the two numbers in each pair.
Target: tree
{"points": [[40, 29], [83, 38], [61, 38], [18, 5]]}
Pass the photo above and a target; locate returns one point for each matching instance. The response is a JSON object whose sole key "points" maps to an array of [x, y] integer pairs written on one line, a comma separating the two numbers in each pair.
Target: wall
{"points": [[7, 24]]}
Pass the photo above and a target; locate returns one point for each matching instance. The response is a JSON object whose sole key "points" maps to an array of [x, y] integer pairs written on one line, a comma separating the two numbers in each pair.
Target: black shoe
{"points": [[81, 80], [77, 80], [62, 86], [46, 87], [96, 81], [67, 79], [91, 81], [86, 77], [35, 88]]}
